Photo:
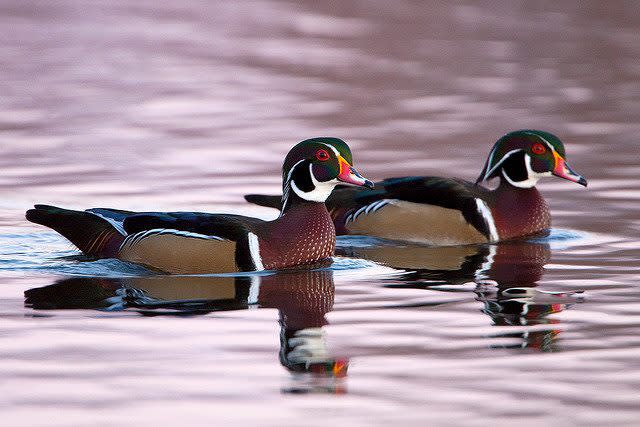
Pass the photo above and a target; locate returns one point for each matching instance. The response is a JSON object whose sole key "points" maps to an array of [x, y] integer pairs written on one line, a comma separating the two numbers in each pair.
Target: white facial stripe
{"points": [[493, 153], [543, 140], [292, 169], [254, 251], [334, 149], [505, 157], [484, 210], [287, 185]]}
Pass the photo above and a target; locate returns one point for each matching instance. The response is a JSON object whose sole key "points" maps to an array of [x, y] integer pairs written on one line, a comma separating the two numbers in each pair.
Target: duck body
{"points": [[304, 234], [440, 211], [449, 211], [518, 212], [294, 245], [429, 210], [202, 243]]}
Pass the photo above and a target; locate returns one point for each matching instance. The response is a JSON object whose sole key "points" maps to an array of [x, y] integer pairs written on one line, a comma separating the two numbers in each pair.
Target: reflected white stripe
{"points": [[254, 292]]}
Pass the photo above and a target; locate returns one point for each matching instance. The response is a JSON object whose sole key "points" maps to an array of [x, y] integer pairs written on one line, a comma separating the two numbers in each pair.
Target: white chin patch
{"points": [[321, 190], [532, 176], [320, 193]]}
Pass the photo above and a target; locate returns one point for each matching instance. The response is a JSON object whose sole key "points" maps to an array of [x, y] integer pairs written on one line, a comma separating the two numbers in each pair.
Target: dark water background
{"points": [[188, 105]]}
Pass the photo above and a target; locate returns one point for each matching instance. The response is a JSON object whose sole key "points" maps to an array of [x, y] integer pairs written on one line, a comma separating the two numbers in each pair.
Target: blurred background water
{"points": [[189, 105]]}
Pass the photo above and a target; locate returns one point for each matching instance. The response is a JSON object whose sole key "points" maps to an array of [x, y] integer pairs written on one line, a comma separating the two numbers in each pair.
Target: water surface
{"points": [[178, 106]]}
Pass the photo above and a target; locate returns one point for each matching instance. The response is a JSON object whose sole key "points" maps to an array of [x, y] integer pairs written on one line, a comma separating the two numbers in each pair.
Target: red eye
{"points": [[538, 148], [322, 155]]}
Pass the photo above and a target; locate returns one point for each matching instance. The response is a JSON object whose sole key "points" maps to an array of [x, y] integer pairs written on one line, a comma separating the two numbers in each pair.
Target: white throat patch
{"points": [[532, 176], [321, 191]]}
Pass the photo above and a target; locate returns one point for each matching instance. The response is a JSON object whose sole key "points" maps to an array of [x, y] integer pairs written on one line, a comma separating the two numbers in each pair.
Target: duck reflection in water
{"points": [[504, 275], [302, 298]]}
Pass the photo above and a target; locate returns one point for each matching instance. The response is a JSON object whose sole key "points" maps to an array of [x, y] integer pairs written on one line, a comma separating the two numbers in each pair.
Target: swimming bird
{"points": [[192, 242], [451, 211]]}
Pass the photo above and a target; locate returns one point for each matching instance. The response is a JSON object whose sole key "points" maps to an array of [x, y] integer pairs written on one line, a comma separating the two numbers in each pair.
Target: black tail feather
{"points": [[91, 234], [265, 200]]}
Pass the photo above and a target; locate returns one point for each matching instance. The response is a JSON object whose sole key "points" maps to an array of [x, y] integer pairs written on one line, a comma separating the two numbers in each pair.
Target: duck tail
{"points": [[90, 233], [265, 200]]}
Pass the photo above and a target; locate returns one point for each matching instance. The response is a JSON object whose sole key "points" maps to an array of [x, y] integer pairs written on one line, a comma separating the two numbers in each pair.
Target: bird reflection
{"points": [[505, 277], [302, 298]]}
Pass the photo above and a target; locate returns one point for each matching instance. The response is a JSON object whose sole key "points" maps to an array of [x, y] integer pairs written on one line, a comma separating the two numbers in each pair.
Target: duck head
{"points": [[315, 166], [522, 157]]}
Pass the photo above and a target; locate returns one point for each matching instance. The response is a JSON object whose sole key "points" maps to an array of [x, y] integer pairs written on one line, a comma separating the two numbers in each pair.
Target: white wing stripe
{"points": [[375, 206], [367, 209], [132, 239], [117, 225]]}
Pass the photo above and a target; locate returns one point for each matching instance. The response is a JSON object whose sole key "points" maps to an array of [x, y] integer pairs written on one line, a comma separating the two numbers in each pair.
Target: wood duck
{"points": [[450, 211], [191, 242]]}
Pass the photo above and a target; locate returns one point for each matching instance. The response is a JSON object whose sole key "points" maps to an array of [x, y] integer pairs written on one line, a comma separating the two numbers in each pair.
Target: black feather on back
{"points": [[232, 227], [91, 234], [268, 201]]}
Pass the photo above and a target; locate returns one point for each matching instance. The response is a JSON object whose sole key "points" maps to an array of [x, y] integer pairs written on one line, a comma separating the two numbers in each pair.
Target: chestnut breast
{"points": [[303, 235], [519, 212]]}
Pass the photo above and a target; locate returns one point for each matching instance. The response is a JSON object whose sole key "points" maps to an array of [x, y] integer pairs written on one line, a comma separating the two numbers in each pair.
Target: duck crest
{"points": [[303, 234], [519, 211]]}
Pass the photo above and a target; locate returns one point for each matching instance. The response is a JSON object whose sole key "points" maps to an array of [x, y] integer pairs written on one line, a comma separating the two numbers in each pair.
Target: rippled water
{"points": [[172, 106]]}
